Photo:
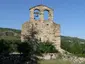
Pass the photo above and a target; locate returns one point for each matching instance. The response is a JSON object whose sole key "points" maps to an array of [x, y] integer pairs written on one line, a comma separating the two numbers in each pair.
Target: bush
{"points": [[47, 47]]}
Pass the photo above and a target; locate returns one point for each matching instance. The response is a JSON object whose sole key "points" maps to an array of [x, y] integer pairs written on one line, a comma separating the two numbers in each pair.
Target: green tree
{"points": [[4, 47], [29, 50]]}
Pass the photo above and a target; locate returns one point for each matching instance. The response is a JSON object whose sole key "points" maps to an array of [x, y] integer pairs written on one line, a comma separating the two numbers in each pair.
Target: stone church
{"points": [[44, 30]]}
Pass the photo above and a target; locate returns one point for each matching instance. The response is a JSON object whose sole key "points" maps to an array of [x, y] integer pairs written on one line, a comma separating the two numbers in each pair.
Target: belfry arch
{"points": [[46, 14], [40, 14], [36, 14]]}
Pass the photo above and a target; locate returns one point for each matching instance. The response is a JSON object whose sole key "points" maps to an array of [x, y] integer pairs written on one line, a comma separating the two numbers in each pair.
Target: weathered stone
{"points": [[46, 30]]}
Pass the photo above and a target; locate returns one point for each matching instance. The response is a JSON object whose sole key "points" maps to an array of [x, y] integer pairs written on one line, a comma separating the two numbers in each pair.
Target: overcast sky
{"points": [[70, 14]]}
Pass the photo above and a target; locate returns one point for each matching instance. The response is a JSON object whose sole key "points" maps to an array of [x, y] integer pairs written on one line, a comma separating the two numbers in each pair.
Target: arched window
{"points": [[36, 14], [46, 14]]}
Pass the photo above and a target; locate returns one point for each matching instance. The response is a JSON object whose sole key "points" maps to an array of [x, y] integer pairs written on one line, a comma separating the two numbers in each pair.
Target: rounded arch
{"points": [[46, 14], [36, 14]]}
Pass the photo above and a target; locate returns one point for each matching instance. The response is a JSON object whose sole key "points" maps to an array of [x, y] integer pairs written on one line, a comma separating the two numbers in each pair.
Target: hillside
{"points": [[71, 44], [8, 32]]}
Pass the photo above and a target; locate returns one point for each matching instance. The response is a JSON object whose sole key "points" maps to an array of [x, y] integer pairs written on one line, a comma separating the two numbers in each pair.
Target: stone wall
{"points": [[44, 30]]}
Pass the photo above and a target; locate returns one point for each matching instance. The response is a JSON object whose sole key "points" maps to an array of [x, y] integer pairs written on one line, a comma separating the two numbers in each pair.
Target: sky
{"points": [[70, 14]]}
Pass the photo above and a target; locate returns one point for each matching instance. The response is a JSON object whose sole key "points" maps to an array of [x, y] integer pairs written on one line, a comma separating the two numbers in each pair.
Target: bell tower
{"points": [[37, 13], [44, 29]]}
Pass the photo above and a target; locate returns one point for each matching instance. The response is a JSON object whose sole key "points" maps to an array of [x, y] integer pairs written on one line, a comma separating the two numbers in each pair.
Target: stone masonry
{"points": [[44, 30]]}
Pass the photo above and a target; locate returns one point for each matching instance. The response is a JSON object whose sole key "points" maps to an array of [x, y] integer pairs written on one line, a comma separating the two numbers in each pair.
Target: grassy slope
{"points": [[19, 31], [9, 29], [58, 61], [10, 37]]}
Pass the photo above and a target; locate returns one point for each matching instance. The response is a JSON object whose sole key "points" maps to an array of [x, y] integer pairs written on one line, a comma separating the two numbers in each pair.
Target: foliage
{"points": [[74, 45], [4, 47], [29, 52], [26, 49], [10, 29], [47, 47]]}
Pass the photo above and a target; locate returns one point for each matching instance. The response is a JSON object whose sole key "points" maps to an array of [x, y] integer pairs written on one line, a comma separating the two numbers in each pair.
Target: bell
{"points": [[36, 13]]}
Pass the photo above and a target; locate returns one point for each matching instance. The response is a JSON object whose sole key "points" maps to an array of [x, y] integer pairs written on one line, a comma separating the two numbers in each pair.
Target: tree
{"points": [[4, 50], [29, 50], [4, 47]]}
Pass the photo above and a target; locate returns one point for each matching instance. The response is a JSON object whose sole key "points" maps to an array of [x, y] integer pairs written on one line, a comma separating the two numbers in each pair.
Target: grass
{"points": [[9, 38], [59, 61]]}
